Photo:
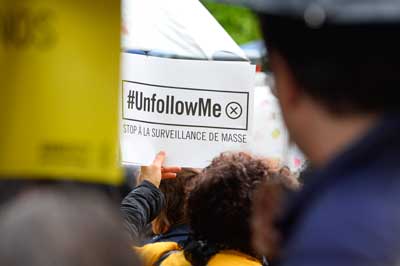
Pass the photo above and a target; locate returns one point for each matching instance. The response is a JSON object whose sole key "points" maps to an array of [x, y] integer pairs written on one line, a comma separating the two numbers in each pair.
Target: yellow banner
{"points": [[59, 74]]}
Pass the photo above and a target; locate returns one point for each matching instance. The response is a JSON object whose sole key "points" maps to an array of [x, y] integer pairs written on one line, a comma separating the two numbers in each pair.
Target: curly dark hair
{"points": [[267, 209], [219, 205]]}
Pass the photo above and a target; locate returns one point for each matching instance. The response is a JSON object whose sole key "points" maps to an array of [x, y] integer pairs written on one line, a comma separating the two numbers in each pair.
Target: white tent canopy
{"points": [[183, 28]]}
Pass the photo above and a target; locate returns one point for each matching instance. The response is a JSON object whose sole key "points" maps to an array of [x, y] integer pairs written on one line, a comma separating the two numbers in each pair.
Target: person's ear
{"points": [[287, 89], [155, 226]]}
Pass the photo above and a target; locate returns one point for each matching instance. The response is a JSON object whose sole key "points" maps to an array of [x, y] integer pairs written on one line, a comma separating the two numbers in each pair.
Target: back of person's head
{"points": [[219, 205], [347, 68], [174, 190], [48, 227], [268, 206], [11, 188]]}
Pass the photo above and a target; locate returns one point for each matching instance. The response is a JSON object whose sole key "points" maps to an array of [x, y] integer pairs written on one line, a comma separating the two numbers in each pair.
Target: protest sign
{"points": [[191, 109]]}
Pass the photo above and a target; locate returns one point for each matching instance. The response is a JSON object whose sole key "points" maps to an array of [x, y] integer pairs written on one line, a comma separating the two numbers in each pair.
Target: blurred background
{"points": [[242, 31]]}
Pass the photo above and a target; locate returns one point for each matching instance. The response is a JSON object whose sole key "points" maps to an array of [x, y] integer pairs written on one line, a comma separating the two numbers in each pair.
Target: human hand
{"points": [[155, 172]]}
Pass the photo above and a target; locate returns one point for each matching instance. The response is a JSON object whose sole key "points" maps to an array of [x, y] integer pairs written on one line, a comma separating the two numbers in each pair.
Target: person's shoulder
{"points": [[230, 257], [361, 198], [151, 253], [374, 186], [223, 258], [361, 192], [176, 259], [358, 216]]}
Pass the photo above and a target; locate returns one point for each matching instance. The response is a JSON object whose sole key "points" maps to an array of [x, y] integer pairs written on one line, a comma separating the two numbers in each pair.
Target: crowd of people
{"points": [[205, 217], [336, 67], [173, 216]]}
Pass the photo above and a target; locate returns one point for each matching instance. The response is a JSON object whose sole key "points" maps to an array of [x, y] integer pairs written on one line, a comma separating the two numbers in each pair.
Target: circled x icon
{"points": [[234, 110]]}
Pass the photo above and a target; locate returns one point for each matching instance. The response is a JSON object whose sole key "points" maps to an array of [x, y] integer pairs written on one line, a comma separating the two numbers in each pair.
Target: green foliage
{"points": [[239, 22]]}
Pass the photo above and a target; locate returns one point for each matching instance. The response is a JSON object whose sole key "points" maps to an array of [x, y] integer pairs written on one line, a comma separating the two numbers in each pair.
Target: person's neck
{"points": [[333, 134]]}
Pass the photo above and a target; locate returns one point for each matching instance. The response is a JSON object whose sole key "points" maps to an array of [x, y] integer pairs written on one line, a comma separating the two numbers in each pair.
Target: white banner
{"points": [[191, 109]]}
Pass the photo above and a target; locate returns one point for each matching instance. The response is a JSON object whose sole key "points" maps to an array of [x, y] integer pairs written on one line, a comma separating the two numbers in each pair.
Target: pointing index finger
{"points": [[171, 169]]}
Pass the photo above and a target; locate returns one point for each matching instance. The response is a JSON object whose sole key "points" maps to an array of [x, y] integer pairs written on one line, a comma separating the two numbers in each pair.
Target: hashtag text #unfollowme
{"points": [[202, 107]]}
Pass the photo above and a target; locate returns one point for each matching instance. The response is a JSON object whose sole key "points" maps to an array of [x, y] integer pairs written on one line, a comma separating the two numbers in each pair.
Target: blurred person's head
{"points": [[47, 227], [219, 205], [267, 209], [175, 191], [12, 188], [332, 80]]}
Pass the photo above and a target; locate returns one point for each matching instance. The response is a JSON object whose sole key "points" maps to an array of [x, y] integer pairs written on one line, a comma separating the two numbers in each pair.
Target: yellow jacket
{"points": [[151, 253]]}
